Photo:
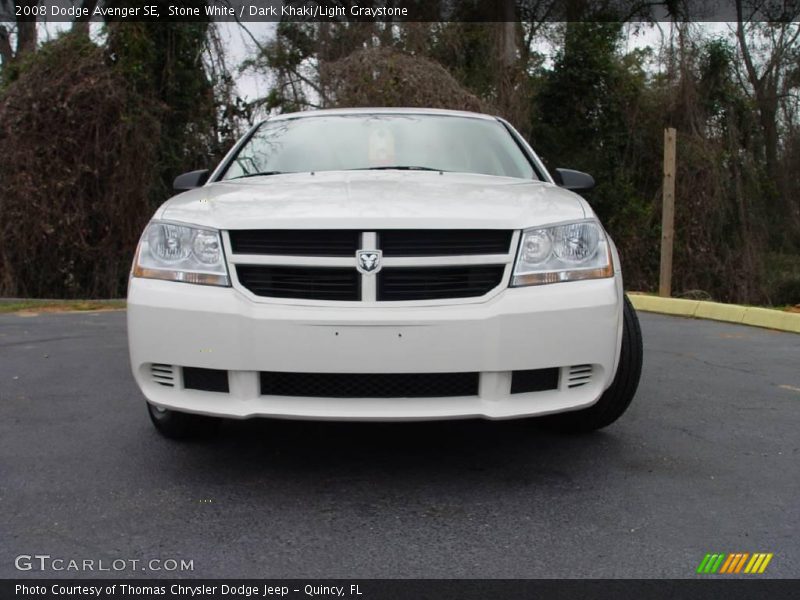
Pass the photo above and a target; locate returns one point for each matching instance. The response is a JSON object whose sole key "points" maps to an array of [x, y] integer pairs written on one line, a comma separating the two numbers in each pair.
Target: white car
{"points": [[380, 264]]}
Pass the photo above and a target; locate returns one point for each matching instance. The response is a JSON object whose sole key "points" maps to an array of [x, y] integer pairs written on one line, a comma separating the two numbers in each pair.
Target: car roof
{"points": [[382, 111]]}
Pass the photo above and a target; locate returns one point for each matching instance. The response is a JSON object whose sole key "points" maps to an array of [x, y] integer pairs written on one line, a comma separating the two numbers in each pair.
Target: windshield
{"points": [[381, 141]]}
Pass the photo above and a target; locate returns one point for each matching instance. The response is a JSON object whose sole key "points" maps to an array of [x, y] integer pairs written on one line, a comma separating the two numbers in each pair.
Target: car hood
{"points": [[375, 200]]}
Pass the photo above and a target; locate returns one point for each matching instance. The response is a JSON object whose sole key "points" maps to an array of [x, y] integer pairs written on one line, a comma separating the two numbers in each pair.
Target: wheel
{"points": [[616, 399], [177, 425]]}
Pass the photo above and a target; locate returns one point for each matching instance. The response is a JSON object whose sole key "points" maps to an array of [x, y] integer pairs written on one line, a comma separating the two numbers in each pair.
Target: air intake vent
{"points": [[534, 380], [312, 283], [304, 242], [432, 283], [205, 380], [579, 375], [444, 242], [163, 374], [369, 385]]}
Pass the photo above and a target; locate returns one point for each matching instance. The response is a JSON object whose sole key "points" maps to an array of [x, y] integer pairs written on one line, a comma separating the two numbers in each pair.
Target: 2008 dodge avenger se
{"points": [[381, 264]]}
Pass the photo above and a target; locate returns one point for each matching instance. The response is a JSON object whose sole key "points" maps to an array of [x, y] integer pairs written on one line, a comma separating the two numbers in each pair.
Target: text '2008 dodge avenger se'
{"points": [[381, 264]]}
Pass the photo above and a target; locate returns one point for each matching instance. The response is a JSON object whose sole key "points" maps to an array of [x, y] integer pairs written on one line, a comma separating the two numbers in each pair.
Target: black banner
{"points": [[400, 10], [390, 589]]}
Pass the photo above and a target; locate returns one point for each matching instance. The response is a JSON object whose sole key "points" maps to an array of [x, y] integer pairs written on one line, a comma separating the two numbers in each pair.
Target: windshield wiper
{"points": [[400, 168], [259, 174], [381, 168]]}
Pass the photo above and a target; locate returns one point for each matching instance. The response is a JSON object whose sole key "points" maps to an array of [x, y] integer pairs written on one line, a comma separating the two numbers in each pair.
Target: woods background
{"points": [[95, 124]]}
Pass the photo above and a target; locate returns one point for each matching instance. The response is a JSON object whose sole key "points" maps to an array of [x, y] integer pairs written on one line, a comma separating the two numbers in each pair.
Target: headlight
{"points": [[181, 253], [566, 252]]}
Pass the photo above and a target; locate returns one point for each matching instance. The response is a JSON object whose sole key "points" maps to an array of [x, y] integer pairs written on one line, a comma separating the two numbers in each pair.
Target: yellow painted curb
{"points": [[717, 311]]}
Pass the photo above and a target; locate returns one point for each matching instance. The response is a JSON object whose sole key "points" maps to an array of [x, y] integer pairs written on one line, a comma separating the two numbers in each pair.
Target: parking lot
{"points": [[706, 460]]}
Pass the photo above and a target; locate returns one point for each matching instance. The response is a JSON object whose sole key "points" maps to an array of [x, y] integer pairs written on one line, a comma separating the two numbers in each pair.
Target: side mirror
{"points": [[190, 180], [577, 181]]}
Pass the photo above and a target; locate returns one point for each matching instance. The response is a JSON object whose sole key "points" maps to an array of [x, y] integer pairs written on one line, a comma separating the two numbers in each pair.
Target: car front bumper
{"points": [[566, 326]]}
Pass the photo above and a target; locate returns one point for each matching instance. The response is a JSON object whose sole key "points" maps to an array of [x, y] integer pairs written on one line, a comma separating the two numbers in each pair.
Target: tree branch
{"points": [[745, 50]]}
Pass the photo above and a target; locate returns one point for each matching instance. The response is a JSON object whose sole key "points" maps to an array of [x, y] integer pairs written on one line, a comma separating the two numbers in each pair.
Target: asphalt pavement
{"points": [[705, 460]]}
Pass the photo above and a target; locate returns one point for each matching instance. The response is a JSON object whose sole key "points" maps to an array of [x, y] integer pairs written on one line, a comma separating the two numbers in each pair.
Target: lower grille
{"points": [[206, 380], [432, 283], [312, 283], [369, 385], [534, 380]]}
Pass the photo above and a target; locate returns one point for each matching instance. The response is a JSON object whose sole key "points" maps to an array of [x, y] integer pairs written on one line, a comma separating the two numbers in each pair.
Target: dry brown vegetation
{"points": [[384, 77], [76, 146], [91, 136]]}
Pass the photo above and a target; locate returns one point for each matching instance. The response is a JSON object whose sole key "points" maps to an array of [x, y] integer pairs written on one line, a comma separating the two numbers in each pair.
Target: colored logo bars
{"points": [[739, 562]]}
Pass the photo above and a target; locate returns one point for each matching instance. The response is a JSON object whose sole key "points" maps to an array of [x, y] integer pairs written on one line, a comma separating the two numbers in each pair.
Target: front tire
{"points": [[177, 425], [616, 399]]}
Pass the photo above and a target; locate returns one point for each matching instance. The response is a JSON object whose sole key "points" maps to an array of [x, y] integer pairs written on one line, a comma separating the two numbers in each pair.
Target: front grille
{"points": [[418, 264], [431, 283], [445, 242], [303, 242], [534, 380], [313, 283], [207, 380], [369, 385]]}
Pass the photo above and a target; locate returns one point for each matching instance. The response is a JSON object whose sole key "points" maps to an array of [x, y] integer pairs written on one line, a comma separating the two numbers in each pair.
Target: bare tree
{"points": [[766, 68], [6, 53], [24, 29]]}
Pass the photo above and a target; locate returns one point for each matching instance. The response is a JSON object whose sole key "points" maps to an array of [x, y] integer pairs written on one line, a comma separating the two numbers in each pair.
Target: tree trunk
{"points": [[768, 115], [26, 30], [506, 29], [6, 53], [81, 24]]}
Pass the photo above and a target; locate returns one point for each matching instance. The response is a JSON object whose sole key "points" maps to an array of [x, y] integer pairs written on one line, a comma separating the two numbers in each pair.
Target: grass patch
{"points": [[15, 306], [782, 273]]}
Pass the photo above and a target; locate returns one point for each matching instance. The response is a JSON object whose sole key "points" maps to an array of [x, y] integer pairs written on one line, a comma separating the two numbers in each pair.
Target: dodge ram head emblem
{"points": [[368, 261]]}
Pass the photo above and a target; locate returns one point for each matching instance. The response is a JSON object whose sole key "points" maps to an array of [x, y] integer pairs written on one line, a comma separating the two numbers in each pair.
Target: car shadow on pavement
{"points": [[518, 451]]}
